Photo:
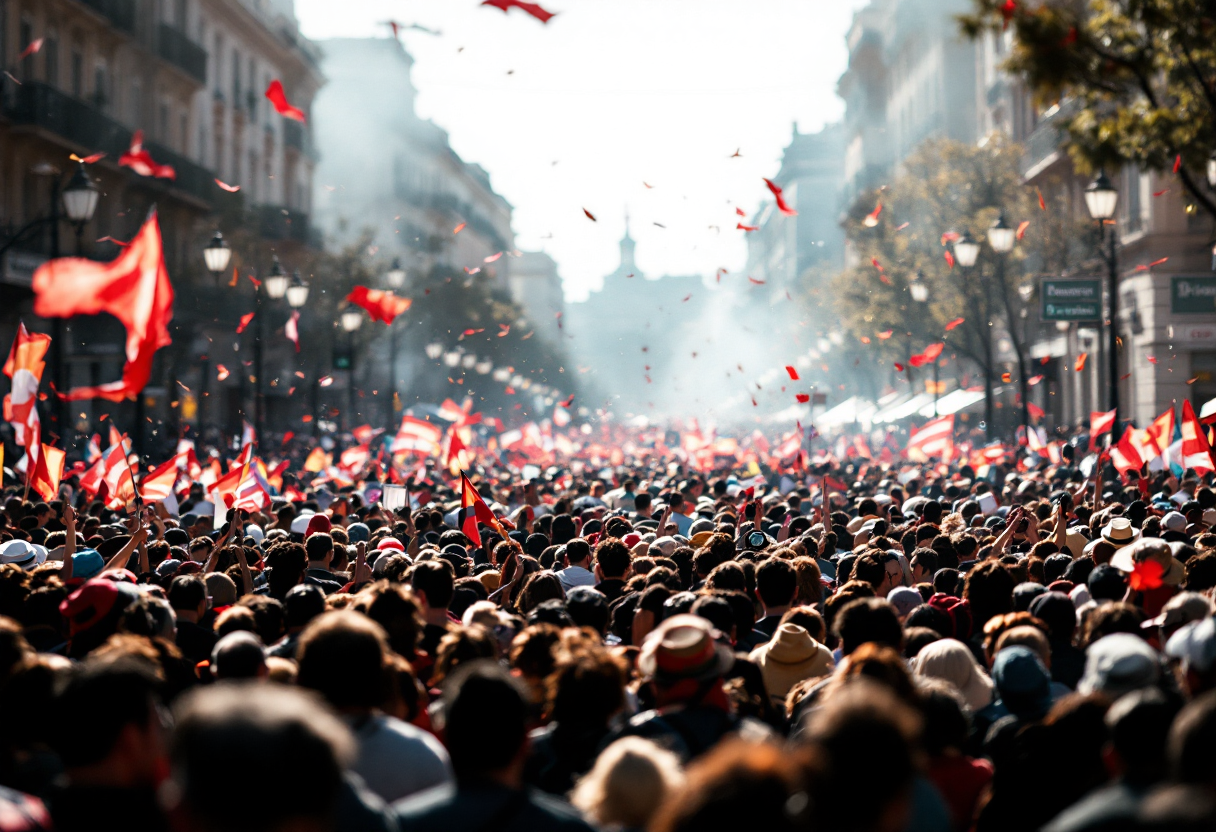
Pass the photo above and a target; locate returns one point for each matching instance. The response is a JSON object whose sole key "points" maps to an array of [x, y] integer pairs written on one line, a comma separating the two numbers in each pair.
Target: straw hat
{"points": [[789, 658]]}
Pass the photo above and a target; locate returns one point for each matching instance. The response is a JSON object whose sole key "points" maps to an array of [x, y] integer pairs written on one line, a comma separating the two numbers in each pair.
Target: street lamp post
{"points": [[351, 320], [275, 288], [394, 278], [1002, 238], [1101, 198], [967, 252], [216, 255]]}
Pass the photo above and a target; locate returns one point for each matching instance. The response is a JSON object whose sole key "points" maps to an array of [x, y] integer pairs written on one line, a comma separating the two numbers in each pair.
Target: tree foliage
{"points": [[1140, 76], [946, 188]]}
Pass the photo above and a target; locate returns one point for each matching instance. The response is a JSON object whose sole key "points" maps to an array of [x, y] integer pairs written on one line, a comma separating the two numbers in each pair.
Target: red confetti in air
{"points": [[956, 323], [278, 99], [140, 160], [459, 228], [506, 328], [1033, 380], [741, 227], [793, 373], [950, 259], [229, 188], [1079, 365], [533, 9], [885, 334], [325, 381], [1042, 202], [245, 319], [1008, 8], [741, 212], [802, 398], [288, 436], [687, 298], [899, 368], [757, 282], [779, 195], [590, 215], [1178, 163], [1161, 193], [88, 160], [874, 262], [1006, 377], [950, 237], [871, 219], [492, 258], [469, 332], [865, 339], [221, 372], [109, 239], [1152, 359], [1022, 226], [569, 401], [902, 226]]}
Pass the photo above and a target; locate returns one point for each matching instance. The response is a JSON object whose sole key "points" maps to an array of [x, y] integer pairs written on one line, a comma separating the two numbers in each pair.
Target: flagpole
{"points": [[127, 458]]}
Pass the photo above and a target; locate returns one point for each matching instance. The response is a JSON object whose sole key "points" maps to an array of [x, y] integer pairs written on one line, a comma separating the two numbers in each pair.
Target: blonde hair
{"points": [[630, 780]]}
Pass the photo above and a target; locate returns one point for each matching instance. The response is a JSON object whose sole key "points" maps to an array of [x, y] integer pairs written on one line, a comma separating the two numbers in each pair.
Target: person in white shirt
{"points": [[578, 565]]}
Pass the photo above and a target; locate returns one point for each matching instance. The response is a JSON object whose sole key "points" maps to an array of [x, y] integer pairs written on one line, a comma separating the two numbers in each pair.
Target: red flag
{"points": [[24, 366], [533, 9], [1196, 453], [473, 510], [47, 472], [245, 319], [793, 373], [779, 195], [1124, 455], [278, 99], [158, 484], [1099, 423], [140, 161], [134, 287], [380, 305]]}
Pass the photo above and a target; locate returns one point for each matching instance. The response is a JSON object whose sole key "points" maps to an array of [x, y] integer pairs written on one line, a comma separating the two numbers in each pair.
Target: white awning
{"points": [[904, 409], [953, 402], [851, 410], [1209, 407]]}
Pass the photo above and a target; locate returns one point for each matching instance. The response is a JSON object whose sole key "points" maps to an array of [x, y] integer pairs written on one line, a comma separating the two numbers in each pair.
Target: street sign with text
{"points": [[1193, 295], [1071, 299]]}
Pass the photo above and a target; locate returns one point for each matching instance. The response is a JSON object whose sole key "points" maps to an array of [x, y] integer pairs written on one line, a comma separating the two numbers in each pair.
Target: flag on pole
{"points": [[48, 470], [1196, 453], [24, 366], [473, 510], [1099, 423], [1125, 455], [157, 485], [1161, 431], [417, 436]]}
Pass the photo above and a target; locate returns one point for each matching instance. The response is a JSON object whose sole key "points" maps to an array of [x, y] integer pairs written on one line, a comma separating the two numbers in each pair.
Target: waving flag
{"points": [[134, 288], [381, 305], [473, 510], [157, 485], [933, 439], [417, 436], [1099, 423], [24, 366], [1124, 455], [47, 472], [1161, 431], [1196, 453], [140, 160]]}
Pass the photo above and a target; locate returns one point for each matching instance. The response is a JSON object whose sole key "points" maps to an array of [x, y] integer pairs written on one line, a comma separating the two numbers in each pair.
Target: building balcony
{"points": [[82, 126], [173, 45], [1045, 139], [278, 223], [120, 13], [297, 137]]}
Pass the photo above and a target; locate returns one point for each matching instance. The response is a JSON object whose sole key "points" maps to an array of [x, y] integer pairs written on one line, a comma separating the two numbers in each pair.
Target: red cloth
{"points": [[134, 287], [960, 780]]}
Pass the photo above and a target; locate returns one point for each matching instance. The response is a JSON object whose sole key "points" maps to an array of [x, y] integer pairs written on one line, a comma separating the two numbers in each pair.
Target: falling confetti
{"points": [[221, 372], [229, 188], [325, 381]]}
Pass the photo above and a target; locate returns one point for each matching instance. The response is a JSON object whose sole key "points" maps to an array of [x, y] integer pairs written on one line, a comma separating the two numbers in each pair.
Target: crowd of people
{"points": [[645, 647]]}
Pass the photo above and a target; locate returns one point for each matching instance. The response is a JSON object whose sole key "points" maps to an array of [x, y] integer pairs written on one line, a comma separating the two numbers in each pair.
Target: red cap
{"points": [[318, 524], [391, 543]]}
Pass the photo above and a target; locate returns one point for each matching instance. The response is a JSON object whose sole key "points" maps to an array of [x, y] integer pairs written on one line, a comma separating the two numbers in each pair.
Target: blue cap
{"points": [[1021, 680], [358, 532], [86, 563]]}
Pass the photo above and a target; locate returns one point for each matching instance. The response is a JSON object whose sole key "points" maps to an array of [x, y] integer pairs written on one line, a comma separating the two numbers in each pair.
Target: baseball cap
{"points": [[1117, 664], [1195, 644]]}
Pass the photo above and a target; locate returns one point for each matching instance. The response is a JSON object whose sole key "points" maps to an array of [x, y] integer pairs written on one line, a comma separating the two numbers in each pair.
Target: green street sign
{"points": [[1193, 295], [1071, 299]]}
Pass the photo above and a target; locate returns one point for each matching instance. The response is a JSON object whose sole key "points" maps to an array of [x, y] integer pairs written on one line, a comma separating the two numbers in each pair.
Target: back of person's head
{"points": [[238, 655], [867, 620], [100, 700], [860, 722], [585, 689], [187, 593], [577, 551], [630, 780], [319, 546], [739, 785], [776, 582], [435, 581], [1139, 724], [341, 656], [1191, 740], [613, 558], [297, 747], [393, 607], [485, 719], [946, 721], [588, 607], [302, 604], [563, 530]]}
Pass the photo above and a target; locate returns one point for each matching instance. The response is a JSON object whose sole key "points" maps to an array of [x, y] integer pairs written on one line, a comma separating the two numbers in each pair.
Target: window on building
{"points": [[101, 87], [77, 72], [183, 132], [136, 106], [217, 82], [181, 14], [254, 179], [50, 49], [236, 78], [25, 35], [162, 124], [253, 98]]}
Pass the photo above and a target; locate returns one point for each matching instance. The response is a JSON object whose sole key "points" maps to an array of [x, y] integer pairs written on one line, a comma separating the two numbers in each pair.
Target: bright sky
{"points": [[611, 94]]}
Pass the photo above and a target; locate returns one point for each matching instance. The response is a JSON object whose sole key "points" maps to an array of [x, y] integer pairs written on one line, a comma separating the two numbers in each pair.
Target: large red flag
{"points": [[134, 288], [473, 510], [381, 305], [47, 472], [1196, 453], [24, 366]]}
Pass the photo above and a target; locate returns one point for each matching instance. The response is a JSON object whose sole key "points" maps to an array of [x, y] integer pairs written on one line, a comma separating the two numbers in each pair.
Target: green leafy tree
{"points": [[948, 188], [1138, 78]]}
